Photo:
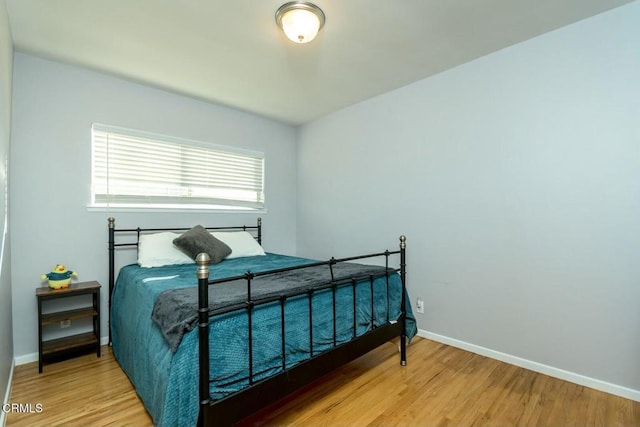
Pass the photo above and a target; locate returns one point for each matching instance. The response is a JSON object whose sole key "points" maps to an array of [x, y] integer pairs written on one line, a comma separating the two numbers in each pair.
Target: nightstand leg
{"points": [[96, 320], [39, 336]]}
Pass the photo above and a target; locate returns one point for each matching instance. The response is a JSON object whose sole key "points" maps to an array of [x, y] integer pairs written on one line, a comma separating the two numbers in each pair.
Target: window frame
{"points": [[172, 205]]}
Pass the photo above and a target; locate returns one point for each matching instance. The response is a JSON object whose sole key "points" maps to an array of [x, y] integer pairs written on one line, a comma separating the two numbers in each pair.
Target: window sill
{"points": [[103, 209]]}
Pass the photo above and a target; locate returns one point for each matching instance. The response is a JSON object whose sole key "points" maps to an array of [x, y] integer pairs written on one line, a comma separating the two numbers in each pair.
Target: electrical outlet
{"points": [[420, 305], [65, 323]]}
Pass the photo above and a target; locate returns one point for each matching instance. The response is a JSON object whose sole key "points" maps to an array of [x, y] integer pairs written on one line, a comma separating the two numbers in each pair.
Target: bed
{"points": [[210, 344]]}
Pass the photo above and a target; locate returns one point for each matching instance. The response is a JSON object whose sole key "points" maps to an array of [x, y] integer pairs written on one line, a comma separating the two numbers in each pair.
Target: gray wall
{"points": [[516, 178], [53, 108], [6, 335]]}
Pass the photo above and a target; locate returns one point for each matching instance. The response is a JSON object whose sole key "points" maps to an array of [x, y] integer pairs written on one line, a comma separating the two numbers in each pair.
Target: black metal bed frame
{"points": [[264, 392]]}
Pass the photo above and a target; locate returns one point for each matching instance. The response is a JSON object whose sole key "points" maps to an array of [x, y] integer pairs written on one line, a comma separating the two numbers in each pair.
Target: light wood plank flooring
{"points": [[441, 385], [84, 391]]}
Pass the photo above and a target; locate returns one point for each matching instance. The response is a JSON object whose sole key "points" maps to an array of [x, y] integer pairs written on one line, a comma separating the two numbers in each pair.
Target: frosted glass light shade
{"points": [[300, 21]]}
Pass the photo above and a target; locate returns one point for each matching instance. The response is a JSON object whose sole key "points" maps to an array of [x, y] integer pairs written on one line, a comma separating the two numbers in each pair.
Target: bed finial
{"points": [[403, 242], [112, 222], [259, 221], [203, 265]]}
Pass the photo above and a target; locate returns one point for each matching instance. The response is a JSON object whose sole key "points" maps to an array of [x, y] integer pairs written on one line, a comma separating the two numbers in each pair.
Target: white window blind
{"points": [[138, 169]]}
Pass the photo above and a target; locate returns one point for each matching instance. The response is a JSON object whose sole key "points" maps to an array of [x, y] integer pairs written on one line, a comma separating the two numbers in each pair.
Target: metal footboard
{"points": [[263, 392]]}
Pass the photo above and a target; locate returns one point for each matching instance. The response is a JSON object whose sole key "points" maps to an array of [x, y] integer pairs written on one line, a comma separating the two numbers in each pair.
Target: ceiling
{"points": [[232, 53]]}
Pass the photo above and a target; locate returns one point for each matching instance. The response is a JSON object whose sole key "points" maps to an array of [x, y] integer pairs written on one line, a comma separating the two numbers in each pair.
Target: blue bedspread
{"points": [[167, 382]]}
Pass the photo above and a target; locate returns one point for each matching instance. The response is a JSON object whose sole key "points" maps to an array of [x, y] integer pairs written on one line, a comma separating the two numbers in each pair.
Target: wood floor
{"points": [[440, 386]]}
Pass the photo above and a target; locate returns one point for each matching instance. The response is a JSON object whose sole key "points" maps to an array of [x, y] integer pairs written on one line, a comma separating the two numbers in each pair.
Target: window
{"points": [[138, 169]]}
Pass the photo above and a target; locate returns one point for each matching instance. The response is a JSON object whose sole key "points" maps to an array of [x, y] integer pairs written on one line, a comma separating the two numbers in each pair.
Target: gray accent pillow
{"points": [[198, 240]]}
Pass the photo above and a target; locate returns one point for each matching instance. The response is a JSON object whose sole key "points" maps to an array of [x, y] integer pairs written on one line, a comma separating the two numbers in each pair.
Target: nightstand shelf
{"points": [[72, 344], [68, 343], [68, 315]]}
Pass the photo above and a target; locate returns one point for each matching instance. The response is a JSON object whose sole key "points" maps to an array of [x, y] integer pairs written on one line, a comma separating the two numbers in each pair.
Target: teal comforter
{"points": [[167, 382]]}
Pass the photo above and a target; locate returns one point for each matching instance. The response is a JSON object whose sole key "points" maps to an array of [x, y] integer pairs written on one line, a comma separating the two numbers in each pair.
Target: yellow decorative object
{"points": [[59, 277]]}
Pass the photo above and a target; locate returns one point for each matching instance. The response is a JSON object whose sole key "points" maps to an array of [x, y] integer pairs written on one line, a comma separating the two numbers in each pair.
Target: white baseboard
{"points": [[33, 357], [25, 358], [627, 393], [7, 395]]}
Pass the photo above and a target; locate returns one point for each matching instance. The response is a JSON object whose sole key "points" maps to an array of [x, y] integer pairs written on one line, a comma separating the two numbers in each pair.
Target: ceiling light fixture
{"points": [[300, 20]]}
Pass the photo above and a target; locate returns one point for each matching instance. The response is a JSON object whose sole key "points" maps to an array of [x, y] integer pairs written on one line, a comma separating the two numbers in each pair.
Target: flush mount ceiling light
{"points": [[300, 20]]}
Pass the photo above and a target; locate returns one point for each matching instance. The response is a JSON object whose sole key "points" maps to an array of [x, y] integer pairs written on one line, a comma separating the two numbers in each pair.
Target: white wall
{"points": [[53, 108], [516, 178], [6, 337]]}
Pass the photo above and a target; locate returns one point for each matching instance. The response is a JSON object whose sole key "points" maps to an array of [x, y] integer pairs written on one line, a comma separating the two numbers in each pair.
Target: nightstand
{"points": [[70, 345]]}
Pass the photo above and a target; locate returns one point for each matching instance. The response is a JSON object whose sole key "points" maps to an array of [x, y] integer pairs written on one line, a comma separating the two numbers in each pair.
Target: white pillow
{"points": [[155, 250], [241, 243]]}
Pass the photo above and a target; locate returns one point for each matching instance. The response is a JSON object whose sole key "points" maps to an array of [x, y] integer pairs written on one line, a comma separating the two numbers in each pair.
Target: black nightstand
{"points": [[70, 345]]}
